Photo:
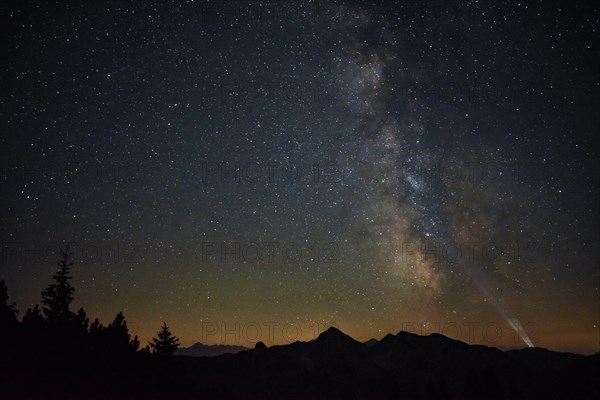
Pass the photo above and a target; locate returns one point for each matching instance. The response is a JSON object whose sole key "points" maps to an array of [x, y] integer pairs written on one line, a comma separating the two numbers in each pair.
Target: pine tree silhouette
{"points": [[113, 340], [166, 343], [33, 318], [8, 319], [96, 328], [134, 345], [118, 335], [81, 322], [58, 296], [8, 311], [33, 334]]}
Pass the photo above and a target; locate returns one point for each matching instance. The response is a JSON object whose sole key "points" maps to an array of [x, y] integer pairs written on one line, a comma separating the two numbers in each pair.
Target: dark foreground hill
{"points": [[334, 366]]}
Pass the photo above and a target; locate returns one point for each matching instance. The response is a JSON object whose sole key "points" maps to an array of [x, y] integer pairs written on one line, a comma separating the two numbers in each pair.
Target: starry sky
{"points": [[261, 170]]}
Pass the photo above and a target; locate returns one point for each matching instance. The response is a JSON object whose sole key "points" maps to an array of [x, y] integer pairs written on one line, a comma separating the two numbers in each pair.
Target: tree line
{"points": [[55, 330]]}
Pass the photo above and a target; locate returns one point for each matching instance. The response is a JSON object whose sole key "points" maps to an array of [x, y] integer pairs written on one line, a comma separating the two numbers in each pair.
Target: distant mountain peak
{"points": [[333, 332], [334, 337], [260, 346]]}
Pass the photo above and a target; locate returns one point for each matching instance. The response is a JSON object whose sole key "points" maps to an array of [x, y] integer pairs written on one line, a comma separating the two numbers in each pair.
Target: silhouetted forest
{"points": [[54, 350], [55, 353]]}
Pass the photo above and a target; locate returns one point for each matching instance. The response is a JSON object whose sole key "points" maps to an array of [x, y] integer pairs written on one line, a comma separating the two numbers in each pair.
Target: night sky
{"points": [[260, 170]]}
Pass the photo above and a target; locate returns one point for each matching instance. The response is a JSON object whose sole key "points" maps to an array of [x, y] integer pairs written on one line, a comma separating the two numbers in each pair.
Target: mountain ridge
{"points": [[199, 349], [405, 365]]}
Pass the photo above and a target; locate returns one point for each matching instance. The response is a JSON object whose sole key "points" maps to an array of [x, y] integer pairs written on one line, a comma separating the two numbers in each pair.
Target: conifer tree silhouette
{"points": [[80, 321], [57, 298], [118, 335], [165, 344], [96, 328], [8, 311], [134, 345], [33, 318], [33, 334], [8, 319]]}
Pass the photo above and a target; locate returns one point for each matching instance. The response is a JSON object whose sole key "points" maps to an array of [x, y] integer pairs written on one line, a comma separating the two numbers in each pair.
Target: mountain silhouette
{"points": [[201, 350], [405, 365], [542, 358], [332, 366]]}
